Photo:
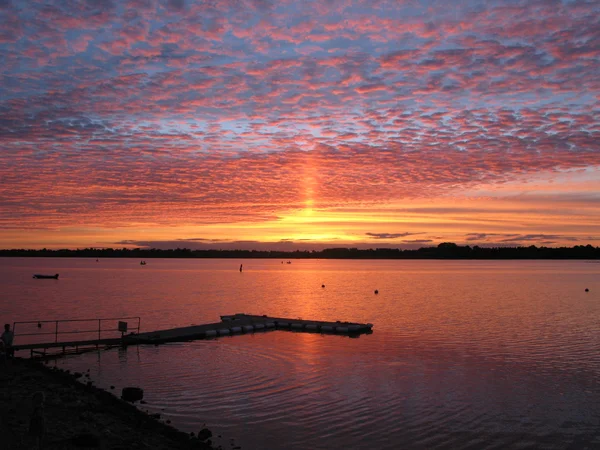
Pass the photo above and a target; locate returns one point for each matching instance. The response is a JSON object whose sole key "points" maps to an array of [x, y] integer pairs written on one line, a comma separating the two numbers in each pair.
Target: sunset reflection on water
{"points": [[464, 354]]}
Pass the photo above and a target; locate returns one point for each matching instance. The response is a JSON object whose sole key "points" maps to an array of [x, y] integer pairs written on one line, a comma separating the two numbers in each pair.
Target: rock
{"points": [[168, 422], [204, 434], [132, 394], [86, 440], [77, 375], [112, 387]]}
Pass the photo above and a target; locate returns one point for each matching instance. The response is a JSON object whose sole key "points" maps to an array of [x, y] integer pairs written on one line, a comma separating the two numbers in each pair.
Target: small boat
{"points": [[142, 263], [54, 277]]}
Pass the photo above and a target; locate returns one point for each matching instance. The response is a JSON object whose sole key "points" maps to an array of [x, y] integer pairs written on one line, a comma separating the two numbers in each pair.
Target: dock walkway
{"points": [[229, 325], [247, 323]]}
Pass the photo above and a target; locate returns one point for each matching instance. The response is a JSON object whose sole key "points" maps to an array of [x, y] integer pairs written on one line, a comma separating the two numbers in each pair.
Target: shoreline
{"points": [[79, 415], [443, 251]]}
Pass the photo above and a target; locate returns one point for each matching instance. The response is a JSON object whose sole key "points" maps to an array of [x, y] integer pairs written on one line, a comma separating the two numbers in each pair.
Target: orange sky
{"points": [[299, 124], [542, 213]]}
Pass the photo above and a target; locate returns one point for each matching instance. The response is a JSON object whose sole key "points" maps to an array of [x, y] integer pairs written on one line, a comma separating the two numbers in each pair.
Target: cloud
{"points": [[417, 241], [279, 245], [484, 236], [195, 113], [176, 5], [389, 235], [538, 237], [504, 239]]}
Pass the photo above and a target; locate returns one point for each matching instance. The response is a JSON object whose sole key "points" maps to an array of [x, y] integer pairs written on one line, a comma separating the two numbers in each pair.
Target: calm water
{"points": [[464, 355]]}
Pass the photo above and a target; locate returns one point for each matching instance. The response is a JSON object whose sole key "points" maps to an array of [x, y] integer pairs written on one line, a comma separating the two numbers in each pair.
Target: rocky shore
{"points": [[79, 415]]}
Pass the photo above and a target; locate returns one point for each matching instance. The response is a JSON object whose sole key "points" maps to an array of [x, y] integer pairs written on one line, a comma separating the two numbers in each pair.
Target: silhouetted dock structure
{"points": [[229, 325]]}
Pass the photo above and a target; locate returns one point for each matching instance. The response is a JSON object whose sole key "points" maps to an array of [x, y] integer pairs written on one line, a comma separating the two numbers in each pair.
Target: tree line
{"points": [[446, 250]]}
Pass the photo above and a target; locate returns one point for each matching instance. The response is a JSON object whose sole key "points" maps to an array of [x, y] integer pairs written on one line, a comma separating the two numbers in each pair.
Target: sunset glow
{"points": [[299, 124]]}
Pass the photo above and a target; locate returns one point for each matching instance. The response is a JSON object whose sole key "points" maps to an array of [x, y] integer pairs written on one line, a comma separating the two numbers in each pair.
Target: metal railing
{"points": [[56, 332]]}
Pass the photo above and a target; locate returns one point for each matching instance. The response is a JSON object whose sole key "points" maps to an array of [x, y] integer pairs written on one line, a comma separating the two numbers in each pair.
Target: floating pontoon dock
{"points": [[229, 325], [246, 323]]}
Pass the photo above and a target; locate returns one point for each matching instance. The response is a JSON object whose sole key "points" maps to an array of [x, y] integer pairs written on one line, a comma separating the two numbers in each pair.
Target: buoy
{"points": [[587, 290], [322, 285], [376, 291]]}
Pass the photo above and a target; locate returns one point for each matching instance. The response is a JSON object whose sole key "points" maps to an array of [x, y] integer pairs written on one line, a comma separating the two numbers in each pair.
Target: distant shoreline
{"points": [[442, 251]]}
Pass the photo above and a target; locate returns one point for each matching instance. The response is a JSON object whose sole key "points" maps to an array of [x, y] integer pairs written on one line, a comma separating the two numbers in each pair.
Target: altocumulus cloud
{"points": [[210, 112]]}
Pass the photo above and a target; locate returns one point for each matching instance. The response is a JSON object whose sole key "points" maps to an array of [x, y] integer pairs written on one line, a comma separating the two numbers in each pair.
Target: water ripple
{"points": [[498, 355]]}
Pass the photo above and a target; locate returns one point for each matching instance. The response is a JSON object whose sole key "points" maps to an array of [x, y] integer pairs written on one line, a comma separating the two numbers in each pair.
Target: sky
{"points": [[287, 125]]}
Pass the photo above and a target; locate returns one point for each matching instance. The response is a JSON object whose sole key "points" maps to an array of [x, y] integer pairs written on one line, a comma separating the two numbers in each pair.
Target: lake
{"points": [[464, 354]]}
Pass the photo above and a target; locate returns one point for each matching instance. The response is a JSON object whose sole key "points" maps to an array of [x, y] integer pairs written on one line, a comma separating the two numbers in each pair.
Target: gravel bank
{"points": [[77, 415]]}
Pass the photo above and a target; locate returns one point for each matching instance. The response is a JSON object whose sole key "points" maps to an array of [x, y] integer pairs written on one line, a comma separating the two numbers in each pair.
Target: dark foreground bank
{"points": [[77, 415]]}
